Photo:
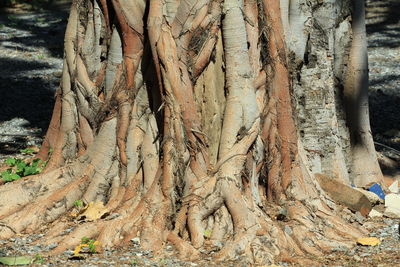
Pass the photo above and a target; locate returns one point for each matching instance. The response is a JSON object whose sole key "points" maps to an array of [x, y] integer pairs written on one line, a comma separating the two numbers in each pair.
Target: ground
{"points": [[31, 45]]}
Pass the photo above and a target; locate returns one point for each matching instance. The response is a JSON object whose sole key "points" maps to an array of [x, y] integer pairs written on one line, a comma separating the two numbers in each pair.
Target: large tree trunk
{"points": [[198, 122]]}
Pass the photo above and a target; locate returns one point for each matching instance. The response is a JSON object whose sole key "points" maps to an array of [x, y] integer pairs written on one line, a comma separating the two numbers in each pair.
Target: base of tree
{"points": [[176, 120], [291, 231]]}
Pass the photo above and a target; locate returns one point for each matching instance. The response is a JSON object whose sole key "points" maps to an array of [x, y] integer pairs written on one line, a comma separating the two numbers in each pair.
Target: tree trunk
{"points": [[202, 123]]}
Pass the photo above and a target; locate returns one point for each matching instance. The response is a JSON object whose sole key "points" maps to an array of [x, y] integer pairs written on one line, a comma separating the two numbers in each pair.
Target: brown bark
{"points": [[186, 130]]}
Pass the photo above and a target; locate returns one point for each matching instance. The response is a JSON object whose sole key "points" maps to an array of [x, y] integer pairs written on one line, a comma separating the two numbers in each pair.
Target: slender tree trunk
{"points": [[200, 123], [365, 169]]}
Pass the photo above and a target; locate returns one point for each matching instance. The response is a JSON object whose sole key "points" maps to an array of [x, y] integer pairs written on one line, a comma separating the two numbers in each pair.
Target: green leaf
{"points": [[207, 233], [27, 150], [11, 161], [9, 176], [36, 161], [16, 260], [29, 170], [92, 247], [20, 164], [85, 240], [12, 17], [38, 259], [78, 203]]}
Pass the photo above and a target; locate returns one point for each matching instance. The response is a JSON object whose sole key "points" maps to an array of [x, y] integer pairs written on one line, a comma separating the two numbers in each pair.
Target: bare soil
{"points": [[31, 49]]}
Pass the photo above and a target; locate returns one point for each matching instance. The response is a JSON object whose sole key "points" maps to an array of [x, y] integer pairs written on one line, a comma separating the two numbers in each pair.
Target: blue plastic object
{"points": [[377, 189]]}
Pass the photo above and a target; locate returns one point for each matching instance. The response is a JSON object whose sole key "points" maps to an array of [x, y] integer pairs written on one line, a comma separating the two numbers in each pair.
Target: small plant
{"points": [[27, 150], [90, 243], [9, 176], [40, 20], [12, 18], [207, 233], [13, 21], [78, 203], [38, 259], [86, 246], [20, 168], [41, 56]]}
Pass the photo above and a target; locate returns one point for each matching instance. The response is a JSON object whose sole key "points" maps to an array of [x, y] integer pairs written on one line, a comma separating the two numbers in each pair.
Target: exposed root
{"points": [[186, 251]]}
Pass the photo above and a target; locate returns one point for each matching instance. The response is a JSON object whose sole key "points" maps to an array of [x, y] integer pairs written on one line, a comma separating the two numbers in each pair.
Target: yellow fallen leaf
{"points": [[78, 249], [93, 211], [368, 241], [73, 214]]}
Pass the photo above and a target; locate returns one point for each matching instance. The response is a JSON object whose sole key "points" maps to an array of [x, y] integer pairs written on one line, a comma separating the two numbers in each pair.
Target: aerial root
{"points": [[239, 245], [89, 230], [253, 234], [186, 251], [43, 209]]}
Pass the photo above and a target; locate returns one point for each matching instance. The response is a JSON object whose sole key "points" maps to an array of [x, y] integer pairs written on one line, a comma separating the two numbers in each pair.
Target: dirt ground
{"points": [[31, 49]]}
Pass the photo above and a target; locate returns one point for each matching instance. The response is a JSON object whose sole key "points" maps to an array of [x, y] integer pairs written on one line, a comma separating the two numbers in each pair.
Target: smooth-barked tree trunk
{"points": [[200, 123]]}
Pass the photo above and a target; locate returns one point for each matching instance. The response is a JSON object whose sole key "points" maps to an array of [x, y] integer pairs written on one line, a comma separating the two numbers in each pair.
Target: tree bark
{"points": [[365, 168], [202, 123]]}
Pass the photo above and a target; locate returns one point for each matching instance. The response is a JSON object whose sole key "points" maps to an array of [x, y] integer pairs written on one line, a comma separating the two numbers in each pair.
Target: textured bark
{"points": [[202, 123]]}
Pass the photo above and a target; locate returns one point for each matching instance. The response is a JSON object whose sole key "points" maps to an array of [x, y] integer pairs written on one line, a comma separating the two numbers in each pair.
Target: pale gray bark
{"points": [[336, 142], [300, 19], [212, 101], [91, 50], [240, 111], [114, 59], [320, 120], [285, 15], [365, 168]]}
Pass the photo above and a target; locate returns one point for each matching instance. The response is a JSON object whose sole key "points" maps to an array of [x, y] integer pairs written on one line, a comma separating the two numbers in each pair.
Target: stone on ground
{"points": [[372, 197], [392, 204], [374, 213], [344, 194], [394, 187]]}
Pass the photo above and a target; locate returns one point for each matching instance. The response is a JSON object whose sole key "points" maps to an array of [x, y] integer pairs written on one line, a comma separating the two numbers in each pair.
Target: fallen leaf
{"points": [[73, 214], [78, 249], [368, 241], [14, 260], [84, 248], [93, 211]]}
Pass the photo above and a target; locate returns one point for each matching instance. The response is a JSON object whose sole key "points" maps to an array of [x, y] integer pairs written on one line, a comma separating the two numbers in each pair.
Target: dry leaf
{"points": [[73, 214], [78, 249], [93, 211], [368, 241]]}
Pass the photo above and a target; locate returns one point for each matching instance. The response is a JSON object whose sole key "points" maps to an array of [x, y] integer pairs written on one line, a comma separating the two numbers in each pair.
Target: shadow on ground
{"points": [[46, 27], [384, 18], [383, 30], [31, 51]]}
